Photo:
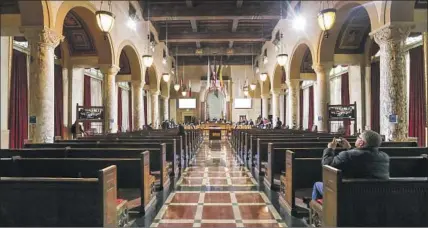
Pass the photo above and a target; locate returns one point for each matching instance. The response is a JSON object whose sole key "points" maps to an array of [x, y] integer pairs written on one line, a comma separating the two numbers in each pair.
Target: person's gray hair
{"points": [[372, 138]]}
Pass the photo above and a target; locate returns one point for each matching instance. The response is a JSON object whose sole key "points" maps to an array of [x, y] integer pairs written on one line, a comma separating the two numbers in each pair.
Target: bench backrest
{"points": [[48, 201], [374, 203]]}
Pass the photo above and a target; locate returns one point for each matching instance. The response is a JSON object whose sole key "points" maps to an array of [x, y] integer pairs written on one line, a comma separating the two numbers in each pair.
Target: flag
{"points": [[221, 74], [214, 73], [190, 89], [209, 73]]}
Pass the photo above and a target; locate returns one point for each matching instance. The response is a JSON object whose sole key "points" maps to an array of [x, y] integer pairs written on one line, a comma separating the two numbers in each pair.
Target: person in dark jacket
{"points": [[365, 161]]}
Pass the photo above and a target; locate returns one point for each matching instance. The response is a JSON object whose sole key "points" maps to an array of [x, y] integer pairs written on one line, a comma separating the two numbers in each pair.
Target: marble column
{"points": [[110, 97], [42, 42], [155, 108], [293, 103], [425, 37], [137, 105], [393, 99], [321, 97], [281, 107], [275, 106], [265, 106], [165, 108], [6, 51]]}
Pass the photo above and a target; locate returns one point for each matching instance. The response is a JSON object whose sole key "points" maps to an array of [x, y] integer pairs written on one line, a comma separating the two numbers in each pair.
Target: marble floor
{"points": [[217, 192]]}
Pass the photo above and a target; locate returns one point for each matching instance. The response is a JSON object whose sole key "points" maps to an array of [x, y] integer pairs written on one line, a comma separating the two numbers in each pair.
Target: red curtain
{"points": [[58, 106], [301, 108], [345, 100], [311, 108], [18, 103], [145, 109], [119, 109], [417, 110], [87, 98], [375, 94], [130, 110]]}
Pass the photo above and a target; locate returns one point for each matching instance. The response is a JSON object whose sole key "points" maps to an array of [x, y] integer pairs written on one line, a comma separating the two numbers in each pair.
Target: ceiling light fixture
{"points": [[326, 19], [253, 86], [177, 87], [263, 76], [105, 19], [165, 77]]}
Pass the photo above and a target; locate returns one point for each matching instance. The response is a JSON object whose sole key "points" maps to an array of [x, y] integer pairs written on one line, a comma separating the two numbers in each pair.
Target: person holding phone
{"points": [[364, 161]]}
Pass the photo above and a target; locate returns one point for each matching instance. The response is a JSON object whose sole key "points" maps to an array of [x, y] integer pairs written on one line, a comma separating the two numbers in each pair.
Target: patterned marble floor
{"points": [[217, 192]]}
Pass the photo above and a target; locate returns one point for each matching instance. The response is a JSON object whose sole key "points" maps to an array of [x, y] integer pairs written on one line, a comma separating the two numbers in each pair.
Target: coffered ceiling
{"points": [[198, 29]]}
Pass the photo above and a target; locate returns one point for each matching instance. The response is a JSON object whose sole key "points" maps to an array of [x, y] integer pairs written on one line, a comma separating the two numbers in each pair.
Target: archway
{"points": [[301, 61], [129, 61], [279, 77]]}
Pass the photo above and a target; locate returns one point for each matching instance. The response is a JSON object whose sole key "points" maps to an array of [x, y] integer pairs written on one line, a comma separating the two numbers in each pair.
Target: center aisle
{"points": [[217, 192]]}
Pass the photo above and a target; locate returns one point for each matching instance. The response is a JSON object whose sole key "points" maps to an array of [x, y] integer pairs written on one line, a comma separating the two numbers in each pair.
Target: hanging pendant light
{"points": [[148, 60], [177, 87], [282, 59], [253, 86], [326, 19], [105, 19], [165, 77], [184, 93], [263, 76]]}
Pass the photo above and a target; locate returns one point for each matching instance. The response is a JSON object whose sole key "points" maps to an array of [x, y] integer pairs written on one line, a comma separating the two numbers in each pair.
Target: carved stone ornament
{"points": [[392, 33], [42, 36]]}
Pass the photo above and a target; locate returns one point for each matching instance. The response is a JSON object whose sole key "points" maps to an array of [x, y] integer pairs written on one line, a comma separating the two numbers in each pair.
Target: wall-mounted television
{"points": [[242, 103], [187, 103]]}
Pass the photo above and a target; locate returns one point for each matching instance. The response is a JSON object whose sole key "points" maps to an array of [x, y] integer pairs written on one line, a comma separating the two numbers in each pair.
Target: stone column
{"points": [[368, 97], [293, 103], [265, 105], [275, 107], [281, 107], [6, 51], [165, 108], [425, 36], [42, 42], [110, 97], [321, 97], [155, 108], [137, 105], [393, 99]]}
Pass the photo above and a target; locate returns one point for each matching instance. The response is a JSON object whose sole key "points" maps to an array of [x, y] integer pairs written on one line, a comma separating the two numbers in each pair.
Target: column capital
{"points": [[392, 33], [291, 83], [109, 69], [165, 97], [138, 84], [42, 35], [265, 96], [276, 92], [154, 92], [322, 68]]}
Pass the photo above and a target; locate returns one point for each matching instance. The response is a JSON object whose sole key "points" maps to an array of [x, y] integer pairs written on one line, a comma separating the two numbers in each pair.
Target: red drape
{"points": [[130, 110], [145, 109], [18, 103], [375, 94], [301, 108], [87, 98], [417, 110], [119, 109], [311, 108], [58, 107], [345, 100]]}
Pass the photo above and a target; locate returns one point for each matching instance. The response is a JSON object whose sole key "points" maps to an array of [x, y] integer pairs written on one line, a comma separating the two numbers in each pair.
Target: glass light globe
{"points": [[184, 93], [246, 93], [263, 76], [105, 20], [326, 19], [177, 87], [282, 59], [253, 86], [165, 77], [147, 60]]}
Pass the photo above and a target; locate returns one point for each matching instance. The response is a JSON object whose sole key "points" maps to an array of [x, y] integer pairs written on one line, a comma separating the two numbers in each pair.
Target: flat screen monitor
{"points": [[242, 103], [187, 103]]}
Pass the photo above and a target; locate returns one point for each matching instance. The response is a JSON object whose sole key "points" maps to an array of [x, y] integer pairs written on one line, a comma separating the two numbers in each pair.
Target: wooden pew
{"points": [[159, 165], [371, 203], [49, 201], [262, 149], [134, 181], [302, 173], [277, 159]]}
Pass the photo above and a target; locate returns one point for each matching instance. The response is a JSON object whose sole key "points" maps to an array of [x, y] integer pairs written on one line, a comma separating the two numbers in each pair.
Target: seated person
{"points": [[365, 161]]}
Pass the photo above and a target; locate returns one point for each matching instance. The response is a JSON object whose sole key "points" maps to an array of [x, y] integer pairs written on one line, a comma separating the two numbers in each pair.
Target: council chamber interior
{"points": [[201, 113]]}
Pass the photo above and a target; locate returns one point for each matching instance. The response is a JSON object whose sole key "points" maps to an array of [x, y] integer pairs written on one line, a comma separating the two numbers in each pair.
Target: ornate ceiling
{"points": [[80, 41], [354, 33], [200, 28]]}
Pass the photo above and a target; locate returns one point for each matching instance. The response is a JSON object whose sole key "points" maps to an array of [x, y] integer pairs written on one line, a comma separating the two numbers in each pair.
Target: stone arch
{"points": [[165, 88], [265, 86], [278, 77], [86, 11], [151, 78], [36, 13], [255, 93], [300, 51], [394, 11], [134, 59], [327, 46]]}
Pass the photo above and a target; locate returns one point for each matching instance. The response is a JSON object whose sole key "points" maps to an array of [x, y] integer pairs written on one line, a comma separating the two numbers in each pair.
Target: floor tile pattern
{"points": [[217, 192]]}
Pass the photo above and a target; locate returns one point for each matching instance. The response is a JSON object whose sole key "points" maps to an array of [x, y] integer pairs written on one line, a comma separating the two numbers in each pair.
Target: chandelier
{"points": [[326, 19]]}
